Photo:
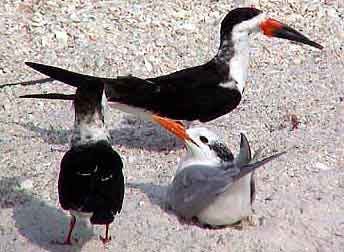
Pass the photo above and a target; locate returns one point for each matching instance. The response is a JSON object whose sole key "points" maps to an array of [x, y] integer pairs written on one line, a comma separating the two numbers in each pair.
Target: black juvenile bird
{"points": [[91, 182], [202, 93]]}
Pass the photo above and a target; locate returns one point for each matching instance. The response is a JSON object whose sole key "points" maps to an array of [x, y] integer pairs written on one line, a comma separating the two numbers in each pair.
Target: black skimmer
{"points": [[91, 182], [202, 93], [210, 184]]}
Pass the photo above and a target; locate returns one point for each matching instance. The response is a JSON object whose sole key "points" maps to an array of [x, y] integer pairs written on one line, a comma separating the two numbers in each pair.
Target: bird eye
{"points": [[203, 139]]}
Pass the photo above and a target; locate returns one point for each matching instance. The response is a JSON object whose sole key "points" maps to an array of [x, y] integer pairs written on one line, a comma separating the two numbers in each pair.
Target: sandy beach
{"points": [[300, 196]]}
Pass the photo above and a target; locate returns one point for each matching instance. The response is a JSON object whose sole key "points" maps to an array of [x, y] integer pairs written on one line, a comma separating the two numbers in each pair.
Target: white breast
{"points": [[84, 134], [231, 206], [240, 62], [81, 215]]}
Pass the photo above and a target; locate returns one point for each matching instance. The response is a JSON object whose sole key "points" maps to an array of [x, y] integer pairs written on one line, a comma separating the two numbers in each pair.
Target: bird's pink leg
{"points": [[107, 237], [68, 240]]}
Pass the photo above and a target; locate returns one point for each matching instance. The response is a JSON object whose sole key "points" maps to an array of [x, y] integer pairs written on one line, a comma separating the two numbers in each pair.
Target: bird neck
{"points": [[89, 126], [89, 130], [204, 159], [225, 51], [234, 52]]}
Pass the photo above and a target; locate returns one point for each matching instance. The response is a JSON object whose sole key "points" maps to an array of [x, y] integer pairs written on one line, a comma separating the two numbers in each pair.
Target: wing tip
{"points": [[50, 96], [30, 64]]}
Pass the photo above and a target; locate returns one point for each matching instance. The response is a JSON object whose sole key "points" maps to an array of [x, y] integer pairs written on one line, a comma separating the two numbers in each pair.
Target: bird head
{"points": [[241, 22], [201, 143]]}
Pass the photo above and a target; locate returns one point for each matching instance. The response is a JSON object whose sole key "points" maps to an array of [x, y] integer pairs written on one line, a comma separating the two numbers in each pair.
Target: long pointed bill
{"points": [[175, 127], [273, 28]]}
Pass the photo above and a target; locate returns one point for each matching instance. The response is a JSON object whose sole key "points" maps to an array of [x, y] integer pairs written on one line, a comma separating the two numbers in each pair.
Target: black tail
{"points": [[246, 169], [51, 96], [65, 76], [124, 89]]}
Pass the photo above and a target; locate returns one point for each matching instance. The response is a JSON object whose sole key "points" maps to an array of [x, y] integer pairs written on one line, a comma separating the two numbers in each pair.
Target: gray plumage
{"points": [[197, 186]]}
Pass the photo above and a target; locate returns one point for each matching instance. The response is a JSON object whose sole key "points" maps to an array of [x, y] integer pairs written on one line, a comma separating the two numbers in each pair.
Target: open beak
{"points": [[273, 28], [175, 127]]}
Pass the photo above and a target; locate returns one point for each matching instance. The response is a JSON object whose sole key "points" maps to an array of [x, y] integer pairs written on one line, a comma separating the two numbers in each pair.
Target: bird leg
{"points": [[252, 220], [107, 237], [245, 223], [68, 240]]}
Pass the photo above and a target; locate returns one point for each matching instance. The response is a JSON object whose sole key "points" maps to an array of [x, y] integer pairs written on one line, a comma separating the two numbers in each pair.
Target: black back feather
{"points": [[91, 180]]}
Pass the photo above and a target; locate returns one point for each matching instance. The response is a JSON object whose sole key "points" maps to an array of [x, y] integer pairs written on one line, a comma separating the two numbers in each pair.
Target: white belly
{"points": [[231, 206], [81, 215]]}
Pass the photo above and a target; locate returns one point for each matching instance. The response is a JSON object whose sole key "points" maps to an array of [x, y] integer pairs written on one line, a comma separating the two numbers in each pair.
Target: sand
{"points": [[300, 200]]}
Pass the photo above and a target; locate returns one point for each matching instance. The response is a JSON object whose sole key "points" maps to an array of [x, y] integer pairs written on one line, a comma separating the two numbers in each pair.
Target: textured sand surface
{"points": [[300, 202]]}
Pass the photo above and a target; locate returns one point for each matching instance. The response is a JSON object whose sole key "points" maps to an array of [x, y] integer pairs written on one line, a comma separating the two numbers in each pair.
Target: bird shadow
{"points": [[27, 83], [155, 193], [51, 135], [130, 132], [37, 221], [157, 196], [134, 133]]}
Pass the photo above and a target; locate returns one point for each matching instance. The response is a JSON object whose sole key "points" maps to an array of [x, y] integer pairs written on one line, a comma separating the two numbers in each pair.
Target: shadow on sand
{"points": [[39, 222], [157, 196], [51, 135], [134, 133], [155, 193], [130, 132]]}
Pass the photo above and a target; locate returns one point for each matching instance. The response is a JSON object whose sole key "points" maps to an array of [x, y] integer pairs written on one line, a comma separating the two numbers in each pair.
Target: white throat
{"points": [[239, 64], [206, 158], [87, 134], [90, 128]]}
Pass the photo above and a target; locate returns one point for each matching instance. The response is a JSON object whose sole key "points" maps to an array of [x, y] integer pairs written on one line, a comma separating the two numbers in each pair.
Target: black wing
{"points": [[65, 76], [190, 94], [50, 96], [91, 180]]}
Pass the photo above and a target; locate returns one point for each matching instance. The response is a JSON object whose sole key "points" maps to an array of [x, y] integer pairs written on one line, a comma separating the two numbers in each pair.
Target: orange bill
{"points": [[175, 127], [274, 28], [270, 26]]}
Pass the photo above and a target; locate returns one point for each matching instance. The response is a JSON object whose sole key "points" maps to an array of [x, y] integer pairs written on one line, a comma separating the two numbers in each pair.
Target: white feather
{"points": [[240, 62], [139, 112]]}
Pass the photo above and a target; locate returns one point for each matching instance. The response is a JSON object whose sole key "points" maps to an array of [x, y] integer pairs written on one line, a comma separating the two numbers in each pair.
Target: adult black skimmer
{"points": [[201, 93], [91, 182], [210, 184]]}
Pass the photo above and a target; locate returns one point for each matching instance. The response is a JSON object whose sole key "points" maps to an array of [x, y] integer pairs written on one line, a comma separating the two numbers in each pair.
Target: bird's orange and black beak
{"points": [[273, 28], [175, 127]]}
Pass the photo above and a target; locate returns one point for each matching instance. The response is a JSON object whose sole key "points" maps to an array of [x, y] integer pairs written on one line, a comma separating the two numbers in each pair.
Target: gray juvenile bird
{"points": [[210, 184]]}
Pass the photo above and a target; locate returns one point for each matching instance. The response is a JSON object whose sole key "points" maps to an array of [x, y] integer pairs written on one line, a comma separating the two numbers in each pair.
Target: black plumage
{"points": [[190, 94], [91, 179], [235, 17], [203, 92], [195, 93]]}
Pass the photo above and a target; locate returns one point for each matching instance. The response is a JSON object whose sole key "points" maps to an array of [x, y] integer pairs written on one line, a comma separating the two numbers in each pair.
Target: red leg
{"points": [[68, 240], [71, 227], [107, 237]]}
